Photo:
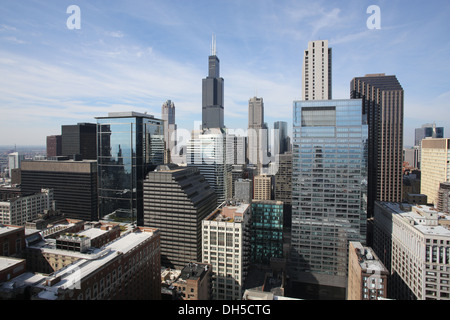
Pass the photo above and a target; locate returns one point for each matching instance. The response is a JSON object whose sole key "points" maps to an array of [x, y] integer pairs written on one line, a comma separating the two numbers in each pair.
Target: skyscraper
{"points": [[14, 161], [170, 129], [209, 151], [212, 93], [317, 84], [435, 167], [428, 130], [176, 200], [383, 108], [257, 133], [280, 145], [130, 144], [329, 185], [79, 139]]}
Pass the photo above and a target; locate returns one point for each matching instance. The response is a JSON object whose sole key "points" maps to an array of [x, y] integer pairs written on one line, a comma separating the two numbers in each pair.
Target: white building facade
{"points": [[414, 244], [226, 247], [19, 210]]}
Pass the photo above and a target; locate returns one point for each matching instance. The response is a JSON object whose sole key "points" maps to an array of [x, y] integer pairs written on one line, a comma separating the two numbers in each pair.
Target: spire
{"points": [[213, 45]]}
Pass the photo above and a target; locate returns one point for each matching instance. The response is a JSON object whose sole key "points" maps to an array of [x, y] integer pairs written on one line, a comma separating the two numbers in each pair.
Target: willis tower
{"points": [[212, 93]]}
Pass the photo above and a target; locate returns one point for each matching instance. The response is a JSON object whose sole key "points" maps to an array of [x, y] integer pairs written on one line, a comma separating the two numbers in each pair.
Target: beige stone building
{"points": [[262, 189], [435, 167], [413, 242]]}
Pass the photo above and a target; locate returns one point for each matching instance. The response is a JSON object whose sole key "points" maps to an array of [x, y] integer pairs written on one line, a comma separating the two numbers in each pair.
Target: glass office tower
{"points": [[130, 145], [329, 188]]}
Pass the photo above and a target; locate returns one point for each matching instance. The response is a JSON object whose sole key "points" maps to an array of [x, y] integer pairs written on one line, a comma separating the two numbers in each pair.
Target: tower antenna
{"points": [[213, 45]]}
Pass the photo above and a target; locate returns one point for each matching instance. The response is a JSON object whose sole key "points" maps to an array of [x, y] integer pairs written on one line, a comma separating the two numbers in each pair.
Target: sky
{"points": [[135, 55]]}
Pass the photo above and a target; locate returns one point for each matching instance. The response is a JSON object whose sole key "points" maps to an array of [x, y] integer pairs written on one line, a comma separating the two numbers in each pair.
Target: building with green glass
{"points": [[266, 231]]}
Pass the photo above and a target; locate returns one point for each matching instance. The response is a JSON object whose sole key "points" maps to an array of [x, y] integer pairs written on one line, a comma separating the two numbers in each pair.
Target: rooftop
{"points": [[70, 276], [229, 212], [426, 219], [127, 114], [7, 262], [4, 229], [368, 260]]}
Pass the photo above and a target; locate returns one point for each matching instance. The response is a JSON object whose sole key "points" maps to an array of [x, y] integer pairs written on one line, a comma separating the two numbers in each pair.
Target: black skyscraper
{"points": [[383, 108], [80, 139], [212, 93]]}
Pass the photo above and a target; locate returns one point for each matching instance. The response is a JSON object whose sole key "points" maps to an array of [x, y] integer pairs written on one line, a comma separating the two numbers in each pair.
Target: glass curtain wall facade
{"points": [[129, 146], [329, 188], [266, 231]]}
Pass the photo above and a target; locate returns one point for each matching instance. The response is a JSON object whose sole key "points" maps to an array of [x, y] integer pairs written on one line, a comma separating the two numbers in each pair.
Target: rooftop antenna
{"points": [[213, 45]]}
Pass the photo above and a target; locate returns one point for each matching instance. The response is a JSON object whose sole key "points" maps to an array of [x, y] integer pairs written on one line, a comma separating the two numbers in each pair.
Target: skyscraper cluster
{"points": [[120, 210]]}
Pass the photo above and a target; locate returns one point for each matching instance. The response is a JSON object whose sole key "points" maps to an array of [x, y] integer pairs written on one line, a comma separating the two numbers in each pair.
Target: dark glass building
{"points": [[130, 145], [79, 139]]}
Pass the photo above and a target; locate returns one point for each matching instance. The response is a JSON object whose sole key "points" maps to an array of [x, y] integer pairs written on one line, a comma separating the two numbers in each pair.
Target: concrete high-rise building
{"points": [[329, 186], [14, 161], [383, 110], [130, 144], [227, 249], [79, 139], [54, 146], [170, 130], [243, 190], [257, 134], [413, 243], [443, 203], [317, 71], [367, 276], [283, 179], [282, 186], [209, 152], [176, 200], [17, 211], [435, 167], [213, 93], [411, 156], [262, 187], [74, 185]]}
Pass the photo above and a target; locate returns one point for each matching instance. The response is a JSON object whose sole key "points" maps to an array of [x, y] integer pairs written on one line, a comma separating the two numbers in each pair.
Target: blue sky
{"points": [[135, 55]]}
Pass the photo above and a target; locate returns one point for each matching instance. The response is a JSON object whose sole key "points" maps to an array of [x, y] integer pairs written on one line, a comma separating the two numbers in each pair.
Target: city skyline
{"points": [[134, 58]]}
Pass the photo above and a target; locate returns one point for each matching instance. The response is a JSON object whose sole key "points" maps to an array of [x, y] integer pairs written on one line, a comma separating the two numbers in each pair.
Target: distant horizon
{"points": [[135, 57]]}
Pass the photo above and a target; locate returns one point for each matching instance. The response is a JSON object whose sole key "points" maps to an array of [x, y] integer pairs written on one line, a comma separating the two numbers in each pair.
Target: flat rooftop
{"points": [[420, 217], [4, 229], [73, 273], [7, 262], [229, 213]]}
